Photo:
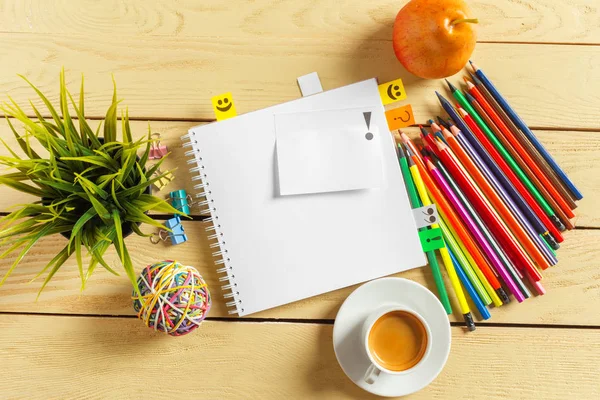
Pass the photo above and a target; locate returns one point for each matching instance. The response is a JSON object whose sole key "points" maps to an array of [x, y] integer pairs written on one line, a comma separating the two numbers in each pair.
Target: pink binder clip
{"points": [[157, 150]]}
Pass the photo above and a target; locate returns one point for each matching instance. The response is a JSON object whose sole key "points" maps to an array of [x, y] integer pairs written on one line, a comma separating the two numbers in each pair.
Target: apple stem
{"points": [[468, 20]]}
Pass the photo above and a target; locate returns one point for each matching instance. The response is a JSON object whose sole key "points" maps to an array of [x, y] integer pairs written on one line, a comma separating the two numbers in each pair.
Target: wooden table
{"points": [[169, 58]]}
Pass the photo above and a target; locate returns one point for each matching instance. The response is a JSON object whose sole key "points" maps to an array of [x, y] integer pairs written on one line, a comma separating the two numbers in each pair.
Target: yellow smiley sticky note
{"points": [[391, 91], [223, 106], [400, 117]]}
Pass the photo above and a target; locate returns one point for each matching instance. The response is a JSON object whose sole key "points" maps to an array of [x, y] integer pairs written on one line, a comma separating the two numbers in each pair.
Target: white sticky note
{"points": [[328, 151], [310, 84], [426, 216]]}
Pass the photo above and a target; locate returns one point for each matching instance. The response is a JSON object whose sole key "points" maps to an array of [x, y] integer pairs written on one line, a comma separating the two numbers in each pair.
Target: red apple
{"points": [[434, 38]]}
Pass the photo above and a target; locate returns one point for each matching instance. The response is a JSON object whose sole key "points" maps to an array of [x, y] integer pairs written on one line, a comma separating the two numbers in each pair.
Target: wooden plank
{"points": [[577, 152], [511, 21], [121, 358], [573, 285], [550, 85]]}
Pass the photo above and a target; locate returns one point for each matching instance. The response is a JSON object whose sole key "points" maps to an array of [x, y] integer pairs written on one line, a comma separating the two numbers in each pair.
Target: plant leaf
{"points": [[51, 109]]}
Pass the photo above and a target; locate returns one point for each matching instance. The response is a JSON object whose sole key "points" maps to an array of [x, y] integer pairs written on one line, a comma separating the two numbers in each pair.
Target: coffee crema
{"points": [[398, 341]]}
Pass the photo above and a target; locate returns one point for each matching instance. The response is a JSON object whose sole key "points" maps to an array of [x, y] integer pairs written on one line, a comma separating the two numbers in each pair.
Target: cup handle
{"points": [[372, 374]]}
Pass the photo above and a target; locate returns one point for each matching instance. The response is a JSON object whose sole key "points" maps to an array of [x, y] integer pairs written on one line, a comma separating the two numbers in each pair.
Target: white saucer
{"points": [[348, 344]]}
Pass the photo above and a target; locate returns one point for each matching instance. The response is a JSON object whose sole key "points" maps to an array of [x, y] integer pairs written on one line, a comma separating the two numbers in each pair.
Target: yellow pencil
{"points": [[458, 291], [489, 295]]}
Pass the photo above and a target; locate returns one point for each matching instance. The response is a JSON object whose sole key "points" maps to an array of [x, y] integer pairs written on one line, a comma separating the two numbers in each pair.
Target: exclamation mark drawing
{"points": [[367, 116]]}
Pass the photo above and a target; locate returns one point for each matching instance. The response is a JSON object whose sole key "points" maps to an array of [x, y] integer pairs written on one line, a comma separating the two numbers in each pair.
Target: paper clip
{"points": [[176, 235], [181, 201], [157, 151], [164, 181]]}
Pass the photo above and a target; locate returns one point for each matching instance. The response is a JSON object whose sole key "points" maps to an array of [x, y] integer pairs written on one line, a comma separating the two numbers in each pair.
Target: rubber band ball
{"points": [[173, 298]]}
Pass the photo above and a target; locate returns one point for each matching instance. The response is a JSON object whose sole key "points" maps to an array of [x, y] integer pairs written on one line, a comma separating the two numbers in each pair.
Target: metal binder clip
{"points": [[164, 181], [157, 151], [177, 234], [181, 201]]}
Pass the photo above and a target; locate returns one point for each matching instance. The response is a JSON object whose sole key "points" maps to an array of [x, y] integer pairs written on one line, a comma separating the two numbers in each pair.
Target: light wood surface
{"points": [[169, 59], [541, 21], [262, 72], [119, 358], [572, 285]]}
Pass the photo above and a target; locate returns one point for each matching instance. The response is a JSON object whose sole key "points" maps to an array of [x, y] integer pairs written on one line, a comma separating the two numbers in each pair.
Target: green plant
{"points": [[90, 186]]}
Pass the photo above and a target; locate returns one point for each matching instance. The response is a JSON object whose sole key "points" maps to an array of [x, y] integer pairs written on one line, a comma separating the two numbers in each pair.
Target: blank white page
{"points": [[285, 248], [327, 151]]}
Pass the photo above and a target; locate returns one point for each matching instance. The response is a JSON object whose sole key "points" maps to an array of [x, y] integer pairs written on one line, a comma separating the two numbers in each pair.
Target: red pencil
{"points": [[544, 182], [484, 186], [535, 207], [487, 213]]}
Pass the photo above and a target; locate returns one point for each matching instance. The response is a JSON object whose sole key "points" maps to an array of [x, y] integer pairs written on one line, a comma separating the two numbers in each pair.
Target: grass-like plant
{"points": [[91, 187]]}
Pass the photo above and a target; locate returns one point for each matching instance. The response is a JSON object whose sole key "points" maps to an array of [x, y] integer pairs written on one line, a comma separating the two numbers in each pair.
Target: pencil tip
{"points": [[423, 130], [469, 97], [446, 133], [454, 129], [452, 88], [462, 112], [435, 127], [469, 321], [428, 163], [474, 66], [401, 151]]}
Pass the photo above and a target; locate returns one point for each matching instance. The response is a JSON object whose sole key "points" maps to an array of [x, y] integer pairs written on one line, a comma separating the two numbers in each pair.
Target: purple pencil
{"points": [[475, 231], [552, 260]]}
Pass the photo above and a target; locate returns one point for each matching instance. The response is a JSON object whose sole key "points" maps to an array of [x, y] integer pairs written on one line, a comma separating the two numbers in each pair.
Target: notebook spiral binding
{"points": [[216, 236]]}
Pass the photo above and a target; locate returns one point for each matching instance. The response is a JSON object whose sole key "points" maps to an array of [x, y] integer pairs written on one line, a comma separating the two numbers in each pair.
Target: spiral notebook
{"points": [[303, 198]]}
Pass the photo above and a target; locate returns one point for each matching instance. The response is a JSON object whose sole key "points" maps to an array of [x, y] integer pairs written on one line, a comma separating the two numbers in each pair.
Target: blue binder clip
{"points": [[176, 235], [180, 201]]}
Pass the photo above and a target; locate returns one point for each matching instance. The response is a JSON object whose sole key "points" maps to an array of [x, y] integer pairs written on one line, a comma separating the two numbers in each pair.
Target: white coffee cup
{"points": [[375, 369]]}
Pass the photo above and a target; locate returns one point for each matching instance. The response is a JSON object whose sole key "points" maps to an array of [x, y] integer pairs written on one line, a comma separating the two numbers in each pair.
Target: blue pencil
{"points": [[485, 313], [531, 216], [527, 132]]}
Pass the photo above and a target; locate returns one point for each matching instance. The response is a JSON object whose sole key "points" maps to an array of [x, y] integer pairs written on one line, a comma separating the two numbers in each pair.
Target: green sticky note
{"points": [[431, 239]]}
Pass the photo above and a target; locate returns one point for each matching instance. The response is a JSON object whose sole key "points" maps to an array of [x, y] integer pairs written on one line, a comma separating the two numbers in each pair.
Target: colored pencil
{"points": [[550, 256], [490, 238], [473, 271], [551, 201], [454, 281], [549, 220], [457, 94], [446, 211], [416, 203], [474, 229], [535, 215], [441, 122], [550, 173], [483, 311], [489, 275], [565, 203], [525, 129], [488, 191], [487, 213]]}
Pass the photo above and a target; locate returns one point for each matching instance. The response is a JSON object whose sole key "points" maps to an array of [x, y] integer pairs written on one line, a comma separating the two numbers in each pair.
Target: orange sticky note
{"points": [[400, 117]]}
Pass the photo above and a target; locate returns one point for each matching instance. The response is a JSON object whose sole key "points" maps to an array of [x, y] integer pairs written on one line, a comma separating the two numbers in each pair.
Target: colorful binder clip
{"points": [[176, 235], [157, 151], [180, 201], [161, 183]]}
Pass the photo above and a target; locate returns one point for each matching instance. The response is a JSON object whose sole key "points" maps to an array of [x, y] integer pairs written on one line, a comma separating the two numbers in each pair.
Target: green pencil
{"points": [[462, 100], [416, 203]]}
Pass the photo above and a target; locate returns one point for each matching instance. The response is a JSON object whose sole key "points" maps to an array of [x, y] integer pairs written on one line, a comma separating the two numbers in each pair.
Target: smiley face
{"points": [[223, 106], [394, 92], [226, 107]]}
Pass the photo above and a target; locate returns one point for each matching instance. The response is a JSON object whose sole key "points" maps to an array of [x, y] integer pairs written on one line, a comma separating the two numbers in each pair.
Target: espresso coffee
{"points": [[398, 341]]}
